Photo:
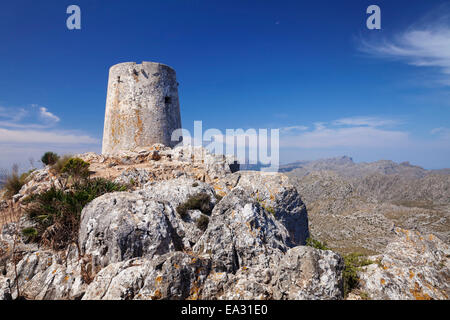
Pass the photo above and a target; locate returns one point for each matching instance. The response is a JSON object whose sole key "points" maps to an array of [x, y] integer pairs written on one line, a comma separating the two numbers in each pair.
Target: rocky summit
{"points": [[188, 227]]}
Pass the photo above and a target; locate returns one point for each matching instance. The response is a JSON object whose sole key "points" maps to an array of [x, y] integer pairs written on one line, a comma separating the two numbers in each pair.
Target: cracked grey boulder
{"points": [[248, 283], [118, 281], [46, 275], [121, 226], [277, 195], [5, 289], [217, 166], [41, 274], [134, 176], [413, 267], [242, 233], [174, 276], [176, 191], [306, 273], [302, 273]]}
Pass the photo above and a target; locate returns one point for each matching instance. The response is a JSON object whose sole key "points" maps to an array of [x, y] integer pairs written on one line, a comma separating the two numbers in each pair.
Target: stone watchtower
{"points": [[142, 106]]}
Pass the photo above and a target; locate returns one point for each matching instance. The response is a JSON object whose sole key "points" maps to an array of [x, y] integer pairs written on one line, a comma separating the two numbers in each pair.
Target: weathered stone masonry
{"points": [[142, 107]]}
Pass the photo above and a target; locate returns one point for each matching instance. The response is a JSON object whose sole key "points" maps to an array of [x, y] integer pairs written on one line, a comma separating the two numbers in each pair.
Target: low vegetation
{"points": [[263, 204], [353, 264], [270, 209], [57, 212], [30, 233], [15, 181], [200, 201], [49, 158], [316, 244], [76, 169], [72, 169], [60, 163], [202, 223]]}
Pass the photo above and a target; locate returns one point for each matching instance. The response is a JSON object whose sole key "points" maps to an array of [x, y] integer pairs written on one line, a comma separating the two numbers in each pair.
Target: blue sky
{"points": [[310, 68]]}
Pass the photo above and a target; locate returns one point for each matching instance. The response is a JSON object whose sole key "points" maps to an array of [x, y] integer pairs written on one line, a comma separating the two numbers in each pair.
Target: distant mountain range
{"points": [[354, 206], [346, 167]]}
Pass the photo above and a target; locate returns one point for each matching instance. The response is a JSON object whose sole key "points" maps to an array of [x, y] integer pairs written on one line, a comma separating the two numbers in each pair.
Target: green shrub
{"points": [[57, 212], [49, 158], [200, 201], [60, 163], [202, 223], [96, 187], [353, 263], [316, 244], [76, 168], [262, 203], [30, 233], [270, 209], [14, 182], [364, 295]]}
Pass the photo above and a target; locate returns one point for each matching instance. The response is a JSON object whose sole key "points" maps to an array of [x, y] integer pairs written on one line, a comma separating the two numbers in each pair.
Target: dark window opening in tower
{"points": [[167, 101]]}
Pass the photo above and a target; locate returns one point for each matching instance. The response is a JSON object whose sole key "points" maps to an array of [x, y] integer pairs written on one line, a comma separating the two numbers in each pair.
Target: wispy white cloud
{"points": [[368, 141], [8, 124], [12, 115], [347, 132], [47, 115], [43, 137], [293, 129], [425, 44], [33, 116], [365, 121], [31, 131], [442, 132]]}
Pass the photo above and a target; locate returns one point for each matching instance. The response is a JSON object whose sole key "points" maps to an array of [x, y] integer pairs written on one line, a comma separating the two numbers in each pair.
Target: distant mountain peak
{"points": [[344, 159]]}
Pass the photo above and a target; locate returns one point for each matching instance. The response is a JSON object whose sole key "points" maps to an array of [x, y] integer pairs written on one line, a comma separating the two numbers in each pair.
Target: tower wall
{"points": [[142, 107]]}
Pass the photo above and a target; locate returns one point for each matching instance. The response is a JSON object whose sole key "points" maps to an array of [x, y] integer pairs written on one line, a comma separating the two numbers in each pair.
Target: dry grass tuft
{"points": [[11, 213]]}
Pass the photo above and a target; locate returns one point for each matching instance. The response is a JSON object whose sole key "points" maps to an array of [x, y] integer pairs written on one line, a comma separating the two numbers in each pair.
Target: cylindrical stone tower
{"points": [[142, 107]]}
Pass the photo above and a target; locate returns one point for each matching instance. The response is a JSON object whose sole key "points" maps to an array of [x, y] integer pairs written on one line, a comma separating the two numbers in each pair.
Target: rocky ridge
{"points": [[135, 244], [345, 166]]}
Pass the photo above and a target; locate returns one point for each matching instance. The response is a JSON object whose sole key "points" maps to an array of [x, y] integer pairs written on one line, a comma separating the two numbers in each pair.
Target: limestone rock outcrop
{"points": [[5, 289], [277, 195], [242, 234], [413, 267], [138, 244], [135, 245], [41, 274], [311, 274], [243, 238]]}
